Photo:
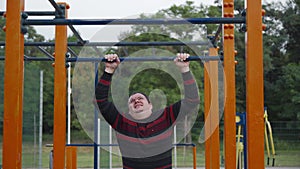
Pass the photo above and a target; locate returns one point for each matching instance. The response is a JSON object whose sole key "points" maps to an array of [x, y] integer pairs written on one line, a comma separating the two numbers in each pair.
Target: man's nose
{"points": [[137, 100]]}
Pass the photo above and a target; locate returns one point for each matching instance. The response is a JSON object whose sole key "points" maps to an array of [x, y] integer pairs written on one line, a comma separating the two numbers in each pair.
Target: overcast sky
{"points": [[100, 9]]}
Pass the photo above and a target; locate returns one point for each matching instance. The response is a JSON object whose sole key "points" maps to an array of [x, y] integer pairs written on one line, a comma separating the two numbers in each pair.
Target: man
{"points": [[145, 137]]}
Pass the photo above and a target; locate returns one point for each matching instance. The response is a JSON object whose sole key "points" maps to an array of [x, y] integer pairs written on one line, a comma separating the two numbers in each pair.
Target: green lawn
{"points": [[288, 157]]}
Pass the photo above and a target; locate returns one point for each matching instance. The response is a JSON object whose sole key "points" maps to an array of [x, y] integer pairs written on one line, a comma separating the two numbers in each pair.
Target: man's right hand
{"points": [[112, 62]]}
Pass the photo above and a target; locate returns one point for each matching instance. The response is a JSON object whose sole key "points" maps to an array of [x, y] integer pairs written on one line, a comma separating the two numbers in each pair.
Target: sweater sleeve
{"points": [[107, 108], [191, 98]]}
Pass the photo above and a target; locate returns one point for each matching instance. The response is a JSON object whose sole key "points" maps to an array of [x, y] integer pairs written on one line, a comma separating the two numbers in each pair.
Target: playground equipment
{"points": [[13, 87], [241, 140], [269, 139]]}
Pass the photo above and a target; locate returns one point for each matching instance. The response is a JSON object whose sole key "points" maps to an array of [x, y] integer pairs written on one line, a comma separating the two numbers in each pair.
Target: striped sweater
{"points": [[146, 144]]}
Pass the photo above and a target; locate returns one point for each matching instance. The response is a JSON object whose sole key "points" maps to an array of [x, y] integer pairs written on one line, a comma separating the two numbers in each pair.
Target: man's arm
{"points": [[191, 95], [190, 88], [107, 109]]}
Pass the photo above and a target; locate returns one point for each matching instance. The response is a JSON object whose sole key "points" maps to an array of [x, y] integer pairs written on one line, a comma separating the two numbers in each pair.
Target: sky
{"points": [[99, 9]]}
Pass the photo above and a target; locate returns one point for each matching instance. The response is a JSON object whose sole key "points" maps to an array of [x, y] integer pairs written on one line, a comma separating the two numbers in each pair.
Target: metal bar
{"points": [[35, 13], [72, 52], [215, 37], [107, 145], [81, 41], [173, 43], [126, 59], [90, 145], [57, 8], [46, 53], [59, 21], [142, 59]]}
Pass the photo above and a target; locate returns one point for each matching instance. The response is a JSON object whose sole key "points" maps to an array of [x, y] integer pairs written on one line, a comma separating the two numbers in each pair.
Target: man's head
{"points": [[139, 106]]}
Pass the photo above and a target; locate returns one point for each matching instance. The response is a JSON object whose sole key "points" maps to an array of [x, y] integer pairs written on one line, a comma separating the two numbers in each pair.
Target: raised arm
{"points": [[191, 95], [107, 109]]}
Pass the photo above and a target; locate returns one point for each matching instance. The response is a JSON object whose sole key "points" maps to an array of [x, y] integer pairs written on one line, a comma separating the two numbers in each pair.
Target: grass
{"points": [[287, 155]]}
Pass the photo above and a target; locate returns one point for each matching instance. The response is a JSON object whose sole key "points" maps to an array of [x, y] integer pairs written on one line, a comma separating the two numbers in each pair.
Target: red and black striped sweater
{"points": [[146, 144]]}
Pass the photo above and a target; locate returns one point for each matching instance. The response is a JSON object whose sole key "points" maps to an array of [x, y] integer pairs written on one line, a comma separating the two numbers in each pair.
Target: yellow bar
{"points": [[254, 86], [71, 157], [60, 94], [13, 86], [229, 86]]}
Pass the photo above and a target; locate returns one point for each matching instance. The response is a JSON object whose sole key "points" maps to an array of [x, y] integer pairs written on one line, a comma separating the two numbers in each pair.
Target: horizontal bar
{"points": [[107, 145], [91, 145], [174, 43], [35, 13], [126, 59], [142, 59], [59, 21]]}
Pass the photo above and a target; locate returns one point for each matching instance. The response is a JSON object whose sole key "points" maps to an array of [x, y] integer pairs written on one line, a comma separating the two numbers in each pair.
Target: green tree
{"points": [[146, 80], [282, 42]]}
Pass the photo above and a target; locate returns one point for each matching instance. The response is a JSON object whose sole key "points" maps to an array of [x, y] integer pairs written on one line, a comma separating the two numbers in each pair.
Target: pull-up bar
{"points": [[87, 43], [132, 21], [35, 13], [126, 59], [142, 59]]}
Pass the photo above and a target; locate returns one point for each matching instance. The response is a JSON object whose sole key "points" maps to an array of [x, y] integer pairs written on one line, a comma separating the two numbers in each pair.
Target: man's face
{"points": [[139, 107]]}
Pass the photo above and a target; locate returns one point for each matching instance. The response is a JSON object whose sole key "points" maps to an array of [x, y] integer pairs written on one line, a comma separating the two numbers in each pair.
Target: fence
{"points": [[286, 140]]}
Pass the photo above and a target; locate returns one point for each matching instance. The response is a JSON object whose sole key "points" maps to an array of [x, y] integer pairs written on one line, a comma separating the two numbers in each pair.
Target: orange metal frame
{"points": [[60, 95], [229, 87], [13, 92], [13, 86], [254, 86], [211, 109], [71, 157]]}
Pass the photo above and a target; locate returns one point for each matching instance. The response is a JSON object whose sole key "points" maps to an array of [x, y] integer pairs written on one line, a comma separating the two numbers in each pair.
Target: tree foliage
{"points": [[281, 58]]}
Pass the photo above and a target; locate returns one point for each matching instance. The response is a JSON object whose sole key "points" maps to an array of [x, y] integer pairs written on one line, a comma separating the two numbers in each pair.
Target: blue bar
{"points": [[143, 59], [96, 124], [36, 13], [126, 59], [107, 145], [132, 21], [124, 43]]}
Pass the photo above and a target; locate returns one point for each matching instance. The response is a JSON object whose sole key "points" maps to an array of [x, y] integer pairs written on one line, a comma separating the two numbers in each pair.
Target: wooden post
{"points": [[254, 86], [13, 86], [60, 95], [229, 86]]}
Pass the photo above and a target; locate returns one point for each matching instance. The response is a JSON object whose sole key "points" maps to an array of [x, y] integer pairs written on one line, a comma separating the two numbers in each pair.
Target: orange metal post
{"points": [[60, 94], [13, 86], [254, 86], [71, 157], [194, 157], [212, 144], [207, 97], [229, 86]]}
